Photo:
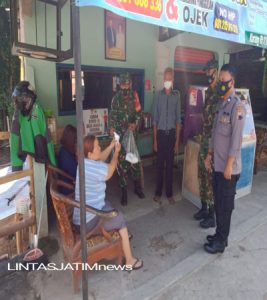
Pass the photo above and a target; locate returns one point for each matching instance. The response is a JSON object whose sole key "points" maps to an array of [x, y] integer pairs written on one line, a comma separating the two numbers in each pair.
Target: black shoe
{"points": [[201, 214], [208, 222], [124, 198], [211, 238], [138, 190], [214, 247]]}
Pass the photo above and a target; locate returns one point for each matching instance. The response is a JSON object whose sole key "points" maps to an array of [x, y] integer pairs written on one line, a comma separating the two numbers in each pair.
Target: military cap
{"points": [[125, 78], [211, 64]]}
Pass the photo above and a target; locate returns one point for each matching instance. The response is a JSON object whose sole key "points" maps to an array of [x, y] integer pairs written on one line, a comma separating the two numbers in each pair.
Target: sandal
{"points": [[135, 267]]}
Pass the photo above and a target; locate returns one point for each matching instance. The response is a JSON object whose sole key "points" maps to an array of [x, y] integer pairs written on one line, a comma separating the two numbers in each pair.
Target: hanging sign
{"points": [[223, 19]]}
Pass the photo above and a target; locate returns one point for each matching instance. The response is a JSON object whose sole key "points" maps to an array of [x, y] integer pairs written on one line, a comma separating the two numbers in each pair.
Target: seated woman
{"points": [[67, 161], [97, 172]]}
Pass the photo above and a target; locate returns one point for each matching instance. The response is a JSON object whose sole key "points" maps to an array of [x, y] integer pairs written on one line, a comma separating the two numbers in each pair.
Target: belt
{"points": [[167, 131]]}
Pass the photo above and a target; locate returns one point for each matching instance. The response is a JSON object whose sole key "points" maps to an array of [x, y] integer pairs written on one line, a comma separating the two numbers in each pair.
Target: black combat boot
{"points": [[209, 221], [124, 198], [211, 238], [138, 189], [215, 246], [202, 213]]}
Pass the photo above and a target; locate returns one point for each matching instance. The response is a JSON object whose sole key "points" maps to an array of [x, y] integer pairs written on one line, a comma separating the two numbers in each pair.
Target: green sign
{"points": [[256, 39]]}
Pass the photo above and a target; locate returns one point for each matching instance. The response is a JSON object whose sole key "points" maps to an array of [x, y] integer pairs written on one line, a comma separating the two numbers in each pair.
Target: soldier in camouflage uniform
{"points": [[124, 115], [206, 213]]}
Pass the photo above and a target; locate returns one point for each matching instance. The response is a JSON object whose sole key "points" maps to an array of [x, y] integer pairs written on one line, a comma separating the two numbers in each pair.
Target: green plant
{"points": [[9, 66]]}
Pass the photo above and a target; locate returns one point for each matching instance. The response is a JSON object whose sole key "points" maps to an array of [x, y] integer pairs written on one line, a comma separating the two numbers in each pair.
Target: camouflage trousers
{"points": [[124, 167], [205, 178]]}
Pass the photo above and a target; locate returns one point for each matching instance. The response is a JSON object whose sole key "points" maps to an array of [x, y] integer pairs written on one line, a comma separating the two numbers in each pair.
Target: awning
{"points": [[239, 21]]}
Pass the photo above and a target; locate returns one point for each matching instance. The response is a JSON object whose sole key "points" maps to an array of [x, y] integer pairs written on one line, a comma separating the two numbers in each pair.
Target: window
{"points": [[99, 85]]}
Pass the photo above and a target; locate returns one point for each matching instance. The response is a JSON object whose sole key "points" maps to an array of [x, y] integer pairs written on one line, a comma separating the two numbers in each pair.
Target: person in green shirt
{"points": [[29, 132]]}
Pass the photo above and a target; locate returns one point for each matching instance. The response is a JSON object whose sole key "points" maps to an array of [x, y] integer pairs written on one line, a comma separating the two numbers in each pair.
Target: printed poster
{"points": [[96, 121]]}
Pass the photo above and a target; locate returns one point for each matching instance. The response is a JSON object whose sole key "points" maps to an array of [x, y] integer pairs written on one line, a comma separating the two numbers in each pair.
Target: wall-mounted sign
{"points": [[96, 121], [256, 39]]}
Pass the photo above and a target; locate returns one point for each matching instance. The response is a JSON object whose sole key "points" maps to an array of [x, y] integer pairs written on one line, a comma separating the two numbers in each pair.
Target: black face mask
{"points": [[210, 78], [223, 87], [125, 92], [24, 105]]}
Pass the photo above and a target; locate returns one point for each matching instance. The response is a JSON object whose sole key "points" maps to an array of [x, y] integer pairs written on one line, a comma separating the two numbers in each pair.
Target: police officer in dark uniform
{"points": [[225, 150]]}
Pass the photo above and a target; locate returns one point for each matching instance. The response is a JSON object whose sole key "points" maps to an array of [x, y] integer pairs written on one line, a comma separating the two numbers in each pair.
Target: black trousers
{"points": [[224, 196], [165, 159]]}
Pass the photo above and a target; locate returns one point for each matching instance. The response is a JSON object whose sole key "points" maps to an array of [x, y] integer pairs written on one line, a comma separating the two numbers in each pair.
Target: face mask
{"points": [[210, 78], [223, 87], [24, 105], [125, 92], [167, 85]]}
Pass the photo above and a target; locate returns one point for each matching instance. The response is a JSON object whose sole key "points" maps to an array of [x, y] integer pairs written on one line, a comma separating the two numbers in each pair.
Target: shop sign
{"points": [[256, 39], [224, 19]]}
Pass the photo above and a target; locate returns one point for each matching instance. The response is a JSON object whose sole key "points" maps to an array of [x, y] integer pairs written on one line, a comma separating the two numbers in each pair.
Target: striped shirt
{"points": [[95, 187]]}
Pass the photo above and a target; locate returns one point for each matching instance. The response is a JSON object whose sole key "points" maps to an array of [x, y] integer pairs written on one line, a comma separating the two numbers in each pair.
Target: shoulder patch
{"points": [[239, 111]]}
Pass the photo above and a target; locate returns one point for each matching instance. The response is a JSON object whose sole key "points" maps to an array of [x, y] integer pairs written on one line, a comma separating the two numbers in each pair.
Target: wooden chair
{"points": [[100, 243]]}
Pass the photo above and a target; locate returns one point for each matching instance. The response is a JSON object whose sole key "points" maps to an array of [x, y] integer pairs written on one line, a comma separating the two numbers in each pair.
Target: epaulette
{"points": [[238, 102], [233, 99], [236, 98]]}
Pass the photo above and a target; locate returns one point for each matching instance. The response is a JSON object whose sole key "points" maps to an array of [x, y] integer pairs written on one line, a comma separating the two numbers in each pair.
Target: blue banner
{"points": [[228, 19]]}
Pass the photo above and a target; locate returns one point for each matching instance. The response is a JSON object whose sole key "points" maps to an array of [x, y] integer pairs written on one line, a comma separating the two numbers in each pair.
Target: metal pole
{"points": [[79, 117]]}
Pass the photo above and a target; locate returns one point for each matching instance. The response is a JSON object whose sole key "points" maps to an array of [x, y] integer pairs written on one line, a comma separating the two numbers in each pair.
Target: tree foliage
{"points": [[9, 65]]}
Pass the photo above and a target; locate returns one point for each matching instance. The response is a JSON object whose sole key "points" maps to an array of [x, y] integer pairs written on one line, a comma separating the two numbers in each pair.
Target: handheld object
{"points": [[116, 137]]}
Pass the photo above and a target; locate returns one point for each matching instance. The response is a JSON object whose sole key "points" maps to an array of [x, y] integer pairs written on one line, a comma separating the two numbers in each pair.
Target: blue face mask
{"points": [[223, 87]]}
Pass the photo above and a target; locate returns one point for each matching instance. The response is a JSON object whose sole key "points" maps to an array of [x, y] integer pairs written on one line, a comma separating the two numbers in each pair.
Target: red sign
{"points": [[151, 8], [147, 85]]}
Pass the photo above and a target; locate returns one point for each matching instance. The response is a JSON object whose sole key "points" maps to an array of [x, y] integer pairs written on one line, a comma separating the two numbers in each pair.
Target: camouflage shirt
{"points": [[209, 110], [123, 112]]}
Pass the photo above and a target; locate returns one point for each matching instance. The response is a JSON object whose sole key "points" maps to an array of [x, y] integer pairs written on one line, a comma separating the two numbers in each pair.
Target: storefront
{"points": [[206, 29], [145, 57], [207, 26]]}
